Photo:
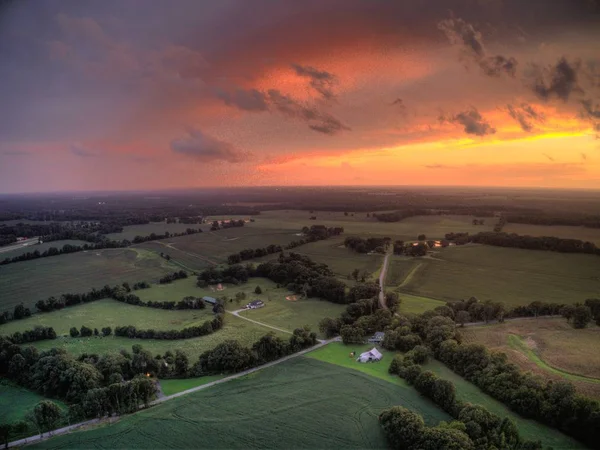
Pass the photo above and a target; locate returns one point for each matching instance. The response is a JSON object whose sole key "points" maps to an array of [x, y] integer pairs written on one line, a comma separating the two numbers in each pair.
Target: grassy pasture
{"points": [[548, 347], [173, 386], [401, 270], [566, 232], [16, 401], [131, 231], [199, 251], [512, 276], [338, 353], [417, 305], [302, 403], [38, 279], [361, 225], [39, 247]]}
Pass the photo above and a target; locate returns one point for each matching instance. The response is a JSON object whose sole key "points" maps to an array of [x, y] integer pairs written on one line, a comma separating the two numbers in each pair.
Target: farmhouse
{"points": [[211, 300], [376, 338], [255, 304], [370, 356]]}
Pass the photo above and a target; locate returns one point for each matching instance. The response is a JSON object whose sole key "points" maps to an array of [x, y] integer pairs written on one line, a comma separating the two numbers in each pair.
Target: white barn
{"points": [[370, 356]]}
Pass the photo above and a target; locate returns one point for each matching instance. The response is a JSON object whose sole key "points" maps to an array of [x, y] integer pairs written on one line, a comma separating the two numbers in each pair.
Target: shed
{"points": [[370, 356], [254, 304], [377, 337], [211, 300]]}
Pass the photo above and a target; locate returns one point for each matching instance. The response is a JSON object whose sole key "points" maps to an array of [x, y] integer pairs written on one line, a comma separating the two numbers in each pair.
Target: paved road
{"points": [[382, 276], [59, 431]]}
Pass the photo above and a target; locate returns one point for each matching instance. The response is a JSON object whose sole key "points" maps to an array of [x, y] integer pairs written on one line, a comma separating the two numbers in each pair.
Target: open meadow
{"points": [[417, 305], [565, 232], [302, 403], [131, 231], [12, 251], [512, 276], [29, 281], [338, 354], [549, 347]]}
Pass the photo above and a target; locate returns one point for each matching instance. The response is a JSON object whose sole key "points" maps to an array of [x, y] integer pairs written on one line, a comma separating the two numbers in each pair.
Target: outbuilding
{"points": [[377, 337], [255, 304], [370, 356], [211, 300]]}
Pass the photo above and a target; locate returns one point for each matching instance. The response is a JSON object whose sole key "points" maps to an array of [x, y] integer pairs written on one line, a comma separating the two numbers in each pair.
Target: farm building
{"points": [[255, 304], [377, 337], [211, 300], [370, 356]]}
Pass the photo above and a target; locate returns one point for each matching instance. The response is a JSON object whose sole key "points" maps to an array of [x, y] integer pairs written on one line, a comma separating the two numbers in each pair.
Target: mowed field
{"points": [[512, 276], [131, 231], [549, 347], [19, 249], [302, 403], [16, 402], [566, 232], [361, 225], [30, 281], [338, 353], [199, 251]]}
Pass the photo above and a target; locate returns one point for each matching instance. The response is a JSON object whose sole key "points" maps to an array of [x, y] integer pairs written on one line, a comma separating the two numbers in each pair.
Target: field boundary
{"points": [[516, 343], [408, 277]]}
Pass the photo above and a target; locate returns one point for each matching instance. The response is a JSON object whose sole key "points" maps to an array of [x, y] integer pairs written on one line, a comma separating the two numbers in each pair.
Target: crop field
{"points": [[512, 276], [302, 403], [338, 353], [18, 250], [30, 281], [417, 305], [173, 386], [401, 270], [131, 231], [361, 225], [566, 232], [199, 251], [549, 347], [15, 402]]}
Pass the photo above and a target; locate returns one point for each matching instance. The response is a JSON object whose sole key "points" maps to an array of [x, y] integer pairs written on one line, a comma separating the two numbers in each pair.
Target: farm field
{"points": [[16, 402], [549, 347], [302, 403], [417, 305], [173, 386], [21, 250], [199, 251], [401, 270], [131, 231], [30, 281], [566, 232], [338, 353], [512, 276], [361, 225]]}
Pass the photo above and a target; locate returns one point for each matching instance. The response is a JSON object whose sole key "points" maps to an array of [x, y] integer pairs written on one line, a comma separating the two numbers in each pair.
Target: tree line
{"points": [[156, 237], [397, 216], [208, 327], [312, 234], [39, 333], [373, 244], [222, 224], [545, 219]]}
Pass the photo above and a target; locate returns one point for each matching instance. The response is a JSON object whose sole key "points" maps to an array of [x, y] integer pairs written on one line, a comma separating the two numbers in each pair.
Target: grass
{"points": [[401, 270], [173, 386], [39, 247], [512, 276], [417, 305], [131, 231], [338, 353], [302, 403], [30, 281], [16, 402], [548, 347], [567, 232]]}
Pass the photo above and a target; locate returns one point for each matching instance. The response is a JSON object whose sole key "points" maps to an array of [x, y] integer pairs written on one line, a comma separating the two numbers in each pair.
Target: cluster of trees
{"points": [[233, 274], [230, 356], [39, 333], [547, 243], [500, 224], [222, 224], [368, 245], [580, 315], [250, 253], [167, 235], [544, 219], [397, 216], [208, 327], [180, 275]]}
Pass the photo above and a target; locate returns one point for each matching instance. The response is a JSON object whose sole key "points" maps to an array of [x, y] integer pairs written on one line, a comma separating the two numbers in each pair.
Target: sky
{"points": [[133, 94]]}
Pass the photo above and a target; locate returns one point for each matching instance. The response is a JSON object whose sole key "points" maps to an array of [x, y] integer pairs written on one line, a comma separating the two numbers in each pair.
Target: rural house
{"points": [[211, 300], [370, 356], [255, 304], [376, 338]]}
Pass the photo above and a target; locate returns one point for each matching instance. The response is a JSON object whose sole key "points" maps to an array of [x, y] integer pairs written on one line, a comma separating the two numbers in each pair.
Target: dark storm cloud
{"points": [[591, 111], [472, 122], [81, 151], [525, 114], [204, 148], [321, 81], [463, 34], [247, 100], [560, 80]]}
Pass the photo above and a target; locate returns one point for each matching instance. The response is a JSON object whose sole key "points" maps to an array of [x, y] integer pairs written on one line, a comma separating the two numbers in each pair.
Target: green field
{"points": [[566, 232], [30, 281], [199, 251], [302, 403], [173, 386], [16, 402], [131, 231], [361, 225], [338, 353], [401, 269], [416, 305], [512, 276], [39, 247]]}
